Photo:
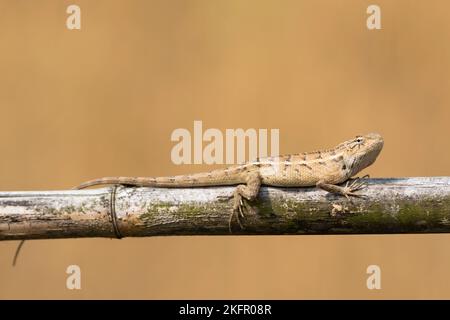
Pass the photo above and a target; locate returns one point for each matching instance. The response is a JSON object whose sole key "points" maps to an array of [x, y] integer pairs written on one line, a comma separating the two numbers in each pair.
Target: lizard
{"points": [[325, 169]]}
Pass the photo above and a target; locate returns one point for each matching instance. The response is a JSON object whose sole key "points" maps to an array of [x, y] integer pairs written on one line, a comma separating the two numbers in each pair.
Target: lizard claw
{"points": [[349, 189], [250, 209], [358, 183], [238, 211], [241, 206], [350, 192]]}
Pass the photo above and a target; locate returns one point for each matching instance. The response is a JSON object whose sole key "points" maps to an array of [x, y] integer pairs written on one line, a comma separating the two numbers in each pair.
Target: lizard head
{"points": [[362, 151]]}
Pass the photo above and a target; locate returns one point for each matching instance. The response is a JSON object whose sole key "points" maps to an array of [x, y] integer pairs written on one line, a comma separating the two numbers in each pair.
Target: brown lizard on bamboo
{"points": [[324, 169]]}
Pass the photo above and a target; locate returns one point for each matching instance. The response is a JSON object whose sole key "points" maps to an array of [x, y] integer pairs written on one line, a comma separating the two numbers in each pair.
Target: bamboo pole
{"points": [[403, 205]]}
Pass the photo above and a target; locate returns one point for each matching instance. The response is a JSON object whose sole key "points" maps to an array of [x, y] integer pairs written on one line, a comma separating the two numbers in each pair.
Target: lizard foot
{"points": [[240, 207], [238, 211], [353, 185], [350, 188], [242, 193]]}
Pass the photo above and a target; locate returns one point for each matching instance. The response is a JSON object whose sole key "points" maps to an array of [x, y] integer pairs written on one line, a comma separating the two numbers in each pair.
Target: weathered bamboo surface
{"points": [[404, 205]]}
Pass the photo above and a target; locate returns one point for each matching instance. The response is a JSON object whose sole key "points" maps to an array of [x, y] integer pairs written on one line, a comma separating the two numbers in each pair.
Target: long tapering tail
{"points": [[220, 177]]}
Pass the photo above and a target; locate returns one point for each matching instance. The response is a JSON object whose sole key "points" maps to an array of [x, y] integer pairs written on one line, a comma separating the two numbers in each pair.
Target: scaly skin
{"points": [[324, 169]]}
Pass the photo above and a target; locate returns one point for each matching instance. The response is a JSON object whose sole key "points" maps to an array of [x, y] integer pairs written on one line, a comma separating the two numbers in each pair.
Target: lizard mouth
{"points": [[368, 153], [376, 143]]}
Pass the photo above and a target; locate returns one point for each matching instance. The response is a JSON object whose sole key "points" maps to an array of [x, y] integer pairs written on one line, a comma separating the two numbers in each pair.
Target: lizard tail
{"points": [[112, 180], [229, 176]]}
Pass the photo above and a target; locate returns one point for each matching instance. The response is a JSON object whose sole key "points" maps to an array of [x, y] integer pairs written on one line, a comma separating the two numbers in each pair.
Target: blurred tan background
{"points": [[76, 105]]}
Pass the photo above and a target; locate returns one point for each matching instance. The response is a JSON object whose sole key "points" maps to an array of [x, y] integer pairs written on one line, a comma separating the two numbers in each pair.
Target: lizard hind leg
{"points": [[242, 193]]}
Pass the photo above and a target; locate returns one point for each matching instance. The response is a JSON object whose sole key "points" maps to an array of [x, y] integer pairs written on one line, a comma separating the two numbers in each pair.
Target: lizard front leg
{"points": [[348, 190], [247, 191]]}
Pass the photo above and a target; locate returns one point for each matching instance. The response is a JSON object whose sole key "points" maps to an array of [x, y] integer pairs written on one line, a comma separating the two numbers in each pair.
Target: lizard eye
{"points": [[359, 139]]}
